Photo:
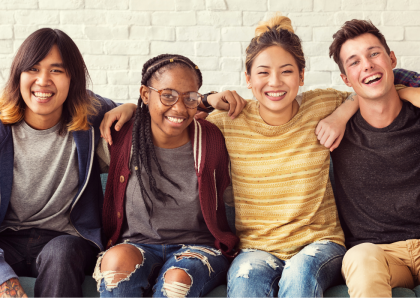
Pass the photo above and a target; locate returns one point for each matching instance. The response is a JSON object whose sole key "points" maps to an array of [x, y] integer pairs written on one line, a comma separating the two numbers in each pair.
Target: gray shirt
{"points": [[181, 223], [45, 180]]}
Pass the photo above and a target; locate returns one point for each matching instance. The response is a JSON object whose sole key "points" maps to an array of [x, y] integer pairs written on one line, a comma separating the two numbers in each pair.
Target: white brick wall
{"points": [[116, 37]]}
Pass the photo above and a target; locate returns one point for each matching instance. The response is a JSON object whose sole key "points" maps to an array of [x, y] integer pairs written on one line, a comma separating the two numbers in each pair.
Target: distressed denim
{"points": [[206, 266], [309, 273], [59, 261]]}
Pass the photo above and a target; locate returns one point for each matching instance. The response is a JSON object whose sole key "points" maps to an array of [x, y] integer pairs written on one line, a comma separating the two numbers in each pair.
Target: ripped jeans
{"points": [[258, 274], [206, 267]]}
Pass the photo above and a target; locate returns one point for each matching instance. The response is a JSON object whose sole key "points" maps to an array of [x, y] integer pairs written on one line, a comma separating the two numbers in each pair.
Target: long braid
{"points": [[143, 147]]}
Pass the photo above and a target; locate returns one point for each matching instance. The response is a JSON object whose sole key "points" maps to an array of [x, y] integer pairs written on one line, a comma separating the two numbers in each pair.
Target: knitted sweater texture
{"points": [[282, 192], [211, 165]]}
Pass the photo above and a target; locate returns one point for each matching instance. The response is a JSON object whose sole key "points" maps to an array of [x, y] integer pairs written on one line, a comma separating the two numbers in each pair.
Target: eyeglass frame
{"points": [[180, 95]]}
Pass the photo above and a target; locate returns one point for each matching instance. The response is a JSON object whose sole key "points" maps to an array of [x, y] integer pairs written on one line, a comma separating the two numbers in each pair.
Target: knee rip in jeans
{"points": [[210, 251], [249, 250], [113, 278], [201, 257], [244, 269], [272, 263], [176, 289]]}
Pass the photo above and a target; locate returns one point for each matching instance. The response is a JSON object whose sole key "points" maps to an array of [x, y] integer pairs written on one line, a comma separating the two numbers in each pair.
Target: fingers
{"points": [[240, 104], [320, 134], [336, 143], [105, 127], [201, 115]]}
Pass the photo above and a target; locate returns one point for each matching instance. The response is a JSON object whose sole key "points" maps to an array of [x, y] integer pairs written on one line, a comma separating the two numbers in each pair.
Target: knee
{"points": [[177, 283], [63, 250], [123, 257], [362, 254]]}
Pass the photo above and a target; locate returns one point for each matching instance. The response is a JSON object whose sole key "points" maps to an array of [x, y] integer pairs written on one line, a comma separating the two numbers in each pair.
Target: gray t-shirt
{"points": [[170, 223], [45, 180]]}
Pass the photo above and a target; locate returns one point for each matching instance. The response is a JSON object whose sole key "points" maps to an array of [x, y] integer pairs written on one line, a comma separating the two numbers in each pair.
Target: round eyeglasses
{"points": [[169, 97]]}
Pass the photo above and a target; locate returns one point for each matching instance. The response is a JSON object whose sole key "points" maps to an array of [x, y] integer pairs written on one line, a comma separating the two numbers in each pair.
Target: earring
{"points": [[248, 85]]}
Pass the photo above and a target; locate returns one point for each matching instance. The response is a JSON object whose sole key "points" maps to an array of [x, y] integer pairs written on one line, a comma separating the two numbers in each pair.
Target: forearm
{"points": [[12, 289], [410, 94], [347, 109]]}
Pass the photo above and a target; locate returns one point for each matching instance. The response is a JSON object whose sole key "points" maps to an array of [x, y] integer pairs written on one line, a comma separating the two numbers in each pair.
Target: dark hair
{"points": [[350, 30], [143, 148], [277, 31], [78, 105]]}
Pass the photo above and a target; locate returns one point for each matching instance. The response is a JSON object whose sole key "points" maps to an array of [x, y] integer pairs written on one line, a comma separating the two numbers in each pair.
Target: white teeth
{"points": [[276, 94], [42, 95], [176, 120], [373, 77]]}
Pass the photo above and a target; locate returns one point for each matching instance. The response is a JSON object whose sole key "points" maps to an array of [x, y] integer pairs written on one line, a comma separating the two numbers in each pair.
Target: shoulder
{"points": [[330, 98], [103, 105]]}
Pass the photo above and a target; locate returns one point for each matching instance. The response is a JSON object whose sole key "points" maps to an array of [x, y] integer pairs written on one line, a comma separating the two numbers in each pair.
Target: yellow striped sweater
{"points": [[282, 192]]}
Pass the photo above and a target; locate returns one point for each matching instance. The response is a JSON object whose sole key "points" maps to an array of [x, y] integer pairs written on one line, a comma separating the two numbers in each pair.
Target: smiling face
{"points": [[169, 123], [44, 88], [368, 67], [275, 81]]}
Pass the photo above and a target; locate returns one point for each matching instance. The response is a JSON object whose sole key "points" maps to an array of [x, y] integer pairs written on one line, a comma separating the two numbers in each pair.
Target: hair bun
{"points": [[278, 22]]}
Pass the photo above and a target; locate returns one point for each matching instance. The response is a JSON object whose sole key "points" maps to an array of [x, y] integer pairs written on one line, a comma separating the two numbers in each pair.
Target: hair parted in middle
{"points": [[350, 30], [143, 147], [277, 31]]}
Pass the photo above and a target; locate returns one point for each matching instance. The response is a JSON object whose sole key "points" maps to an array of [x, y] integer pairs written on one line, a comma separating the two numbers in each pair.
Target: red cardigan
{"points": [[211, 166]]}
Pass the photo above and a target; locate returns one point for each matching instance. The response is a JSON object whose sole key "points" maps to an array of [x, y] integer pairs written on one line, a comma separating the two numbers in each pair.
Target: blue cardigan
{"points": [[86, 207]]}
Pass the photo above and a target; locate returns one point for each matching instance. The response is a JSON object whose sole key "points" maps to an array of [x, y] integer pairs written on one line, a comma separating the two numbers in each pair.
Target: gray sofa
{"points": [[339, 291]]}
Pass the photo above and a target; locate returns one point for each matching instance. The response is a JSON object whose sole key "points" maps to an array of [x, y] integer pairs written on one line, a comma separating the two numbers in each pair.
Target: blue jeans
{"points": [[59, 261], [309, 273], [206, 266]]}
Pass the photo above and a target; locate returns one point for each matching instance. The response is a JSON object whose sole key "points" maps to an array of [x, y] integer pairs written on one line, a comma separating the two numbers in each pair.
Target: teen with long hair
{"points": [[163, 212]]}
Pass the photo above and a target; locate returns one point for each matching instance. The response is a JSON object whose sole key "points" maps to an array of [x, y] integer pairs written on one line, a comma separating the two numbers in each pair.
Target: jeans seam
{"points": [[271, 287], [322, 266]]}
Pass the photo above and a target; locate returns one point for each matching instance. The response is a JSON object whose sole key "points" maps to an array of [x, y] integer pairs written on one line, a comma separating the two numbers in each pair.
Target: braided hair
{"points": [[143, 147]]}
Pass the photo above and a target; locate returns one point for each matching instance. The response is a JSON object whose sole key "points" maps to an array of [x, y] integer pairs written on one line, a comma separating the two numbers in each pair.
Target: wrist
{"points": [[205, 101]]}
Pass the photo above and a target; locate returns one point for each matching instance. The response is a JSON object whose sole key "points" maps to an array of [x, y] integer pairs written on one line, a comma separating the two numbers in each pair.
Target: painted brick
{"points": [[411, 62], [205, 88], [393, 33], [207, 49], [106, 32], [326, 5], [127, 18], [404, 48], [133, 93], [399, 18], [183, 48], [239, 89], [231, 64], [152, 5], [374, 16], [6, 17], [198, 33], [251, 18], [394, 5], [190, 5], [6, 32], [21, 4], [311, 19], [323, 63], [22, 31], [98, 77], [231, 49], [304, 33], [16, 45], [105, 4], [315, 48], [86, 17], [90, 47], [412, 33], [290, 5], [216, 5], [343, 16], [137, 62], [61, 4], [219, 18], [237, 34], [206, 63], [113, 92], [343, 88], [106, 62], [117, 77], [35, 17], [174, 18], [155, 33], [324, 34], [5, 61], [336, 78], [217, 77], [6, 46], [134, 78], [313, 78], [362, 5], [127, 47], [247, 5], [414, 5]]}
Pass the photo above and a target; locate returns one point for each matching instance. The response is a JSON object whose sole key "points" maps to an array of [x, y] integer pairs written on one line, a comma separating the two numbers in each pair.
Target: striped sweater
{"points": [[282, 192]]}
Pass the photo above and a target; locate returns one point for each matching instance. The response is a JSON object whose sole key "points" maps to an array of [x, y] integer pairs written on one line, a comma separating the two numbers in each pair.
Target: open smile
{"points": [[372, 79], [43, 97], [175, 120], [275, 95]]}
